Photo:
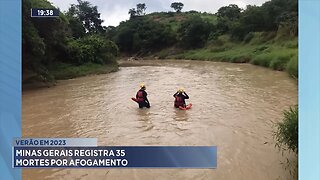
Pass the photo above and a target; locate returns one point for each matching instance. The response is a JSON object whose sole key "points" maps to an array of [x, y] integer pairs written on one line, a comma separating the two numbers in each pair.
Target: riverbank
{"points": [[67, 71], [277, 54], [62, 71]]}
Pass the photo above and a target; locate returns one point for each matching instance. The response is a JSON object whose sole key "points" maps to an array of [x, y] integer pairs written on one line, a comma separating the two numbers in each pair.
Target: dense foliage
{"points": [[142, 35], [87, 15], [268, 17], [43, 40], [193, 29], [194, 32], [287, 130], [75, 37], [93, 48]]}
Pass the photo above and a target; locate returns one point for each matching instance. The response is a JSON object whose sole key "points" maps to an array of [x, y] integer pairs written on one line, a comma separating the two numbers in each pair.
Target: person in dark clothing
{"points": [[141, 97], [180, 97]]}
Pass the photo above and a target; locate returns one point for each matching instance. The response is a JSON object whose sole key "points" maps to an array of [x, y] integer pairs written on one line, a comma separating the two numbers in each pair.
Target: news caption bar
{"points": [[84, 153]]}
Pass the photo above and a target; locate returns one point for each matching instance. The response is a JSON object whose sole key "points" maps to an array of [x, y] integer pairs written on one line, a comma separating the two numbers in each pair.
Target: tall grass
{"points": [[262, 50], [67, 71], [286, 134], [276, 59], [292, 66]]}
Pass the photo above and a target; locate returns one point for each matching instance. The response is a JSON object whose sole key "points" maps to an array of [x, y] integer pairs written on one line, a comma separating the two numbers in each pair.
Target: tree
{"points": [[141, 8], [227, 18], [75, 24], [232, 12], [132, 12], [288, 21], [46, 42], [139, 11], [276, 10], [194, 32], [88, 15], [124, 39], [92, 48], [255, 19], [142, 35], [177, 6]]}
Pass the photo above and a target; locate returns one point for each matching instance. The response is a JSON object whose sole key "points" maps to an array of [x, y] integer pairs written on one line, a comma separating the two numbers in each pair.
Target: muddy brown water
{"points": [[234, 108]]}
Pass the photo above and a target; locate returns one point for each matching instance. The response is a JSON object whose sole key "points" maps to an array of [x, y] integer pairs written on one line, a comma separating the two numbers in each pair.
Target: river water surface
{"points": [[234, 108]]}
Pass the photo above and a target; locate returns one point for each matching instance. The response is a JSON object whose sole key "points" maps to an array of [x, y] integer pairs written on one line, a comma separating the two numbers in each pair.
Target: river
{"points": [[234, 107]]}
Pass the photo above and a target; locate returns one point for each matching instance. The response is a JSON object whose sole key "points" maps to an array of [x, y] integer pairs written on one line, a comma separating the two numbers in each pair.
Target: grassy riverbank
{"points": [[275, 53], [62, 71], [265, 35], [68, 71]]}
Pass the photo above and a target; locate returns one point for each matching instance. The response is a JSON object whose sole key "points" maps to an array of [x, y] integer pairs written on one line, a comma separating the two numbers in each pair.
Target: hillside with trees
{"points": [[73, 44], [76, 43], [262, 35]]}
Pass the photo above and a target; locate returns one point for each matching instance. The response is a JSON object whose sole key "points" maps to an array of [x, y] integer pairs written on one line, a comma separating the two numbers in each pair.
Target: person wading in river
{"points": [[180, 97], [141, 97]]}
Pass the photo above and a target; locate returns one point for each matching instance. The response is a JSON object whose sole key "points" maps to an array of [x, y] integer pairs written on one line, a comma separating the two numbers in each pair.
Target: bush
{"points": [[268, 36], [261, 48], [261, 60], [248, 37], [238, 31], [292, 66], [163, 54], [240, 59], [180, 56], [276, 60], [171, 14], [143, 36], [194, 32], [286, 134], [93, 49], [279, 63], [217, 49], [216, 42], [67, 71], [292, 44]]}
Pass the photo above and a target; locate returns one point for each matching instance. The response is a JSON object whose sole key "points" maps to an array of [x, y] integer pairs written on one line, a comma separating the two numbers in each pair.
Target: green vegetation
{"points": [[287, 130], [92, 48], [141, 35], [292, 66], [262, 35], [278, 55], [76, 38], [194, 32], [67, 71], [140, 11], [286, 136], [177, 6]]}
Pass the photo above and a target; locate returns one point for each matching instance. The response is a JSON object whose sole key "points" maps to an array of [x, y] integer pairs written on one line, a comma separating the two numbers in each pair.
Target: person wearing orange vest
{"points": [[141, 97], [180, 97]]}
